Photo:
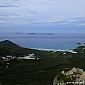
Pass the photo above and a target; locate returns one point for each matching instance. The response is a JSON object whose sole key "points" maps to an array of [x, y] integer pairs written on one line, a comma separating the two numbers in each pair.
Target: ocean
{"points": [[45, 41]]}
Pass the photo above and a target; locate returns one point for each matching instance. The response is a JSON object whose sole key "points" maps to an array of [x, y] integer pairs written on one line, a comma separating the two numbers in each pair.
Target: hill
{"points": [[9, 43], [9, 48], [36, 72], [17, 72]]}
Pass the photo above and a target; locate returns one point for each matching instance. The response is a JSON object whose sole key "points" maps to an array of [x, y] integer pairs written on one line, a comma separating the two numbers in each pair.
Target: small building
{"points": [[8, 58], [28, 57]]}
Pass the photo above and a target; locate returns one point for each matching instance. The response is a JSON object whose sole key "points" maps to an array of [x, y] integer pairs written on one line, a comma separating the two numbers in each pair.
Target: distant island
{"points": [[36, 33]]}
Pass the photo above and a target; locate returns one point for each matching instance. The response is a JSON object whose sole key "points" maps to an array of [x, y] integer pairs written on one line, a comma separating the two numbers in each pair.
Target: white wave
{"points": [[61, 50]]}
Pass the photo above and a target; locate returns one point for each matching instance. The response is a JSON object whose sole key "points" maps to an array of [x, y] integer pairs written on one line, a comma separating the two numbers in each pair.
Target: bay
{"points": [[45, 41]]}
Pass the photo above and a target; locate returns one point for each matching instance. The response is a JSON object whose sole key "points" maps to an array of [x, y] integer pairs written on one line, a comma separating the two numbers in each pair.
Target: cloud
{"points": [[35, 11], [8, 6], [8, 3], [72, 21]]}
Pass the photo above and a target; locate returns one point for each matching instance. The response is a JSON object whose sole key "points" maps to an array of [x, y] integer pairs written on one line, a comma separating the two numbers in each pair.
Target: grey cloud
{"points": [[43, 10], [8, 5], [77, 21]]}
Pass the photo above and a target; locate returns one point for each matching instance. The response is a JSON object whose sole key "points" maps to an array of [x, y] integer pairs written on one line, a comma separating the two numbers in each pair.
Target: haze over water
{"points": [[45, 41]]}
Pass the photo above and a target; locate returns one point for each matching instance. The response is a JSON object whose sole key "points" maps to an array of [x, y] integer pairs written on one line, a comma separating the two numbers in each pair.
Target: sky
{"points": [[54, 16]]}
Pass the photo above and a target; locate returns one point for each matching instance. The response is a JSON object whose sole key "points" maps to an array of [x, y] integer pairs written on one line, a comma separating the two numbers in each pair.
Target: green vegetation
{"points": [[41, 72], [65, 78]]}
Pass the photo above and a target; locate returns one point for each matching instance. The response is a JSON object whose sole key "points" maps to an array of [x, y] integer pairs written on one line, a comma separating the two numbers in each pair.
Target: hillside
{"points": [[9, 48], [9, 43], [40, 72]]}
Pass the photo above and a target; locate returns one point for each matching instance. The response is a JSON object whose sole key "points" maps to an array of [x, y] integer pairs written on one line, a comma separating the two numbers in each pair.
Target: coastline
{"points": [[54, 50]]}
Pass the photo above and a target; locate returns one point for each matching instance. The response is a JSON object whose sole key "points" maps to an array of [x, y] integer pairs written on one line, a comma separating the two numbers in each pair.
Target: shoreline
{"points": [[54, 50]]}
